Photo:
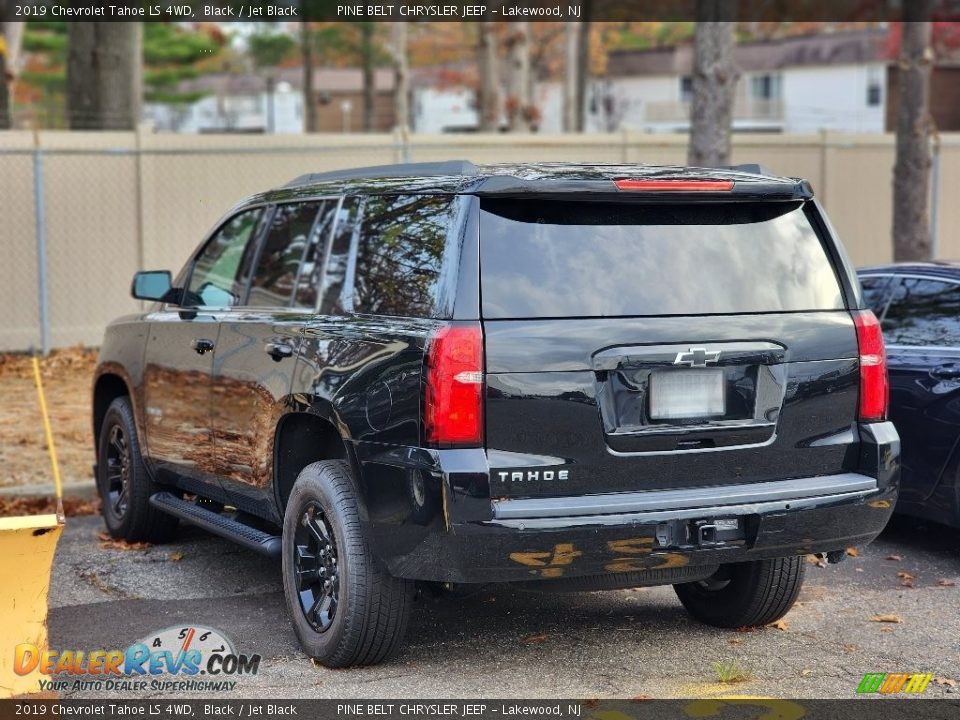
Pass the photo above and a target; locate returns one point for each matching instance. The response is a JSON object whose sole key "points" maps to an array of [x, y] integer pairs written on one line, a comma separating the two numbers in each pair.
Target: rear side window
{"points": [[283, 248], [308, 283], [400, 251], [548, 258], [923, 313], [335, 268]]}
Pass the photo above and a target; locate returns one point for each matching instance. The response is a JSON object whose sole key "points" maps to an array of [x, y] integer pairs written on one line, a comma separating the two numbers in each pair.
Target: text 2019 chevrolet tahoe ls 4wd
{"points": [[569, 376]]}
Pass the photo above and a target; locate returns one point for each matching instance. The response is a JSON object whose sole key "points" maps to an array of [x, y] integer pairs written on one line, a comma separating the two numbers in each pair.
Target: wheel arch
{"points": [[108, 386], [302, 438]]}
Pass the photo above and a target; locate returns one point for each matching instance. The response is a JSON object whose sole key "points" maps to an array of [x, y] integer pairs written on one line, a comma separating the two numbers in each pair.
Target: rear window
{"points": [[400, 253], [547, 258]]}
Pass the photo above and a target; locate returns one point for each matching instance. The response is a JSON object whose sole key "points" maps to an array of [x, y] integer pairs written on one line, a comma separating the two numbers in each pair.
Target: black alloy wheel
{"points": [[317, 575], [116, 494]]}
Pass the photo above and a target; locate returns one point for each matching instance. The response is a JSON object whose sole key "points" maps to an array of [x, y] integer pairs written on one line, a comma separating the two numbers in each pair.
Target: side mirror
{"points": [[152, 285]]}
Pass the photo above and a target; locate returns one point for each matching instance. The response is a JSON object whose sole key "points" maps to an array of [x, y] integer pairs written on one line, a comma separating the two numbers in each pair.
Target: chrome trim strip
{"points": [[695, 499], [642, 518]]}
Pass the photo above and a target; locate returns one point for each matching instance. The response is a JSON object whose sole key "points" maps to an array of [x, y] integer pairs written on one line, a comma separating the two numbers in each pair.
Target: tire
{"points": [[123, 483], [361, 617], [745, 594]]}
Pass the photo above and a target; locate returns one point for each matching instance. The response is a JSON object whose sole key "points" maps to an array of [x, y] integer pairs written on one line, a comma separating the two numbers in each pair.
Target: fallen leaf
{"points": [[853, 552], [806, 673], [530, 639], [814, 560], [735, 641], [895, 558], [888, 618], [948, 682], [108, 543], [904, 575], [780, 625], [850, 647], [176, 556], [745, 629], [641, 698], [943, 582]]}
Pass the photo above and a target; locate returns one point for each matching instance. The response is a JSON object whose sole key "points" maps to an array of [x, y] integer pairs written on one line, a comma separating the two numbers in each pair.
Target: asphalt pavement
{"points": [[499, 642]]}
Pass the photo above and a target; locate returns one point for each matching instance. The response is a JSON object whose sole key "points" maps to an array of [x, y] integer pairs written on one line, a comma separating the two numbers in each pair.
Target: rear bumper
{"points": [[530, 539]]}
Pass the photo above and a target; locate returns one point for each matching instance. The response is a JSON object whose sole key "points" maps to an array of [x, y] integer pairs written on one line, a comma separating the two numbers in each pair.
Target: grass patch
{"points": [[731, 671]]}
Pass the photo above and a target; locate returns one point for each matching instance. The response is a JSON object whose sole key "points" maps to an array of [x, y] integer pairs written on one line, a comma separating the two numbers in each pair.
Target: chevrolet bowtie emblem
{"points": [[697, 357]]}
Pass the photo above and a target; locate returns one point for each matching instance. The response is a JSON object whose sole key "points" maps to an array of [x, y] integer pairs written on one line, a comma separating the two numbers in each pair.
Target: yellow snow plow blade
{"points": [[27, 545]]}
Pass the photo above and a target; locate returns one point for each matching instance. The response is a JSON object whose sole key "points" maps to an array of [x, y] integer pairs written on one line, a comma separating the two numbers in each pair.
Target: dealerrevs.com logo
{"points": [[183, 659]]}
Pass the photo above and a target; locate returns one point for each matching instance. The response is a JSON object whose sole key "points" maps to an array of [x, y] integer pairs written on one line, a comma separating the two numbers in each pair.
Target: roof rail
{"points": [[425, 169], [751, 168]]}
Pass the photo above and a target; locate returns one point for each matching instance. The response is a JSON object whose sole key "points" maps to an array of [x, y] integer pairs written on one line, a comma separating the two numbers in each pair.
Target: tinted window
{"points": [[923, 312], [308, 285], [219, 273], [400, 253], [875, 293], [279, 260], [335, 268], [545, 258]]}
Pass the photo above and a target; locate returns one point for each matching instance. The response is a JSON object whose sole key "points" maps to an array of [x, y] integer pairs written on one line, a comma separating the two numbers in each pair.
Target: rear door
{"points": [[921, 327], [256, 352], [635, 346]]}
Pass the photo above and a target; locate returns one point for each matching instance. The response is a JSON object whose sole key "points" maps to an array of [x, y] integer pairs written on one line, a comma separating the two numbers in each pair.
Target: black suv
{"points": [[575, 377]]}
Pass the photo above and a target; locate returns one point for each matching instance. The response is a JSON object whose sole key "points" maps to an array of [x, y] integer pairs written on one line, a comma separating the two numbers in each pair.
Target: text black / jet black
{"points": [[576, 377]]}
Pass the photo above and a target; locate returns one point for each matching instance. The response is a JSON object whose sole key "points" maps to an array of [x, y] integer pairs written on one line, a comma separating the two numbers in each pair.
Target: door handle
{"points": [[947, 372], [202, 345], [278, 351]]}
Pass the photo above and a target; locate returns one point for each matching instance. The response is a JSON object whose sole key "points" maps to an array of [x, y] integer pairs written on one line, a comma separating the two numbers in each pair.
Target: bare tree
{"points": [[714, 82], [367, 60], [520, 100], [309, 96], [571, 112], [583, 67], [488, 97], [5, 72], [911, 173], [401, 70], [11, 38], [104, 86]]}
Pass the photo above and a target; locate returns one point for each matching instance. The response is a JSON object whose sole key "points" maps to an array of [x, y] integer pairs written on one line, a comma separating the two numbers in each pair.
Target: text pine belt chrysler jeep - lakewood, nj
{"points": [[575, 377]]}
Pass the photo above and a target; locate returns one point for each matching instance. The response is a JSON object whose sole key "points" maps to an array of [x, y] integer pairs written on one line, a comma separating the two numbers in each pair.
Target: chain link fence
{"points": [[84, 211]]}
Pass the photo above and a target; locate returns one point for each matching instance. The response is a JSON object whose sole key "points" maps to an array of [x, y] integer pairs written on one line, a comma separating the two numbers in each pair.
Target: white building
{"points": [[831, 81]]}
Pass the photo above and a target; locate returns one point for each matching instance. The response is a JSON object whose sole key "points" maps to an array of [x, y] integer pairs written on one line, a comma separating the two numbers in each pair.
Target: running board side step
{"points": [[249, 537]]}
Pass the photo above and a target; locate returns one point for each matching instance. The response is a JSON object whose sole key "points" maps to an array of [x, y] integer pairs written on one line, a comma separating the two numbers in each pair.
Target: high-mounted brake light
{"points": [[874, 386], [453, 402], [676, 185]]}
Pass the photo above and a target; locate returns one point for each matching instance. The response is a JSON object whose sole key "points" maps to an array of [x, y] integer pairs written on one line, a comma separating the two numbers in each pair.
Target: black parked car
{"points": [[919, 309], [571, 377]]}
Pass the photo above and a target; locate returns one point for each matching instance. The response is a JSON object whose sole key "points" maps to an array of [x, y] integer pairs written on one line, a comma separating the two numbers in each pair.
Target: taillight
{"points": [[675, 185], [453, 402], [874, 387]]}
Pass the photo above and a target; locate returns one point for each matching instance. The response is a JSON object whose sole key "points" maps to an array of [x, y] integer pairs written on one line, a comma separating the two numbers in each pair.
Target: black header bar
{"points": [[461, 10], [733, 708]]}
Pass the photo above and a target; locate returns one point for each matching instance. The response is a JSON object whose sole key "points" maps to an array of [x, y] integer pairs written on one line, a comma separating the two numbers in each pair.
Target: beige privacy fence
{"points": [[82, 211]]}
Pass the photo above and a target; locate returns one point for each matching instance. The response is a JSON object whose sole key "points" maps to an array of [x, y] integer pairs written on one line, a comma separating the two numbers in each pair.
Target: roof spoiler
{"points": [[750, 168], [443, 169]]}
